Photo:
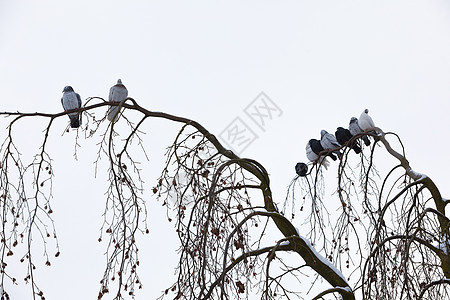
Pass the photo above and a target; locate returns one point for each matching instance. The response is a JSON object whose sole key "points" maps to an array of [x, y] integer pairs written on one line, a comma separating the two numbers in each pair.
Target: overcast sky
{"points": [[319, 62]]}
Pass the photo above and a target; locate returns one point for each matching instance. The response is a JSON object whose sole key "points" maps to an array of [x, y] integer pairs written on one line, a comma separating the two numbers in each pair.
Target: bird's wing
{"points": [[371, 123], [79, 100], [336, 144], [123, 92], [332, 140], [354, 128], [111, 93], [310, 153], [348, 134], [326, 143], [341, 135], [69, 101]]}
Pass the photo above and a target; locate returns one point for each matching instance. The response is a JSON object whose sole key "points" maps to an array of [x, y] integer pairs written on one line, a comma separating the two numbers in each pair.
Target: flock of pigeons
{"points": [[329, 144], [71, 100], [316, 150]]}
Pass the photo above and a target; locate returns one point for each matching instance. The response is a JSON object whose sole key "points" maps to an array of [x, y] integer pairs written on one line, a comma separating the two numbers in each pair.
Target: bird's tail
{"points": [[113, 113], [366, 140], [324, 162], [333, 157], [74, 121], [357, 149]]}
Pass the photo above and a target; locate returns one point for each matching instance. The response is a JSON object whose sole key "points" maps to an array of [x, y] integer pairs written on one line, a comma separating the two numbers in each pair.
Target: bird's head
{"points": [[119, 81], [67, 89], [353, 120], [323, 132], [340, 128], [366, 111]]}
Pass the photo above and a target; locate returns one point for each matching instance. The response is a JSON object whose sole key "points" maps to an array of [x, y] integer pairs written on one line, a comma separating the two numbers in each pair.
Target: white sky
{"points": [[321, 62]]}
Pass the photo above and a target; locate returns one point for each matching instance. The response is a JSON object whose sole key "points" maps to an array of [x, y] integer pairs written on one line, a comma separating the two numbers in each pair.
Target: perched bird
{"points": [[71, 100], [343, 136], [316, 147], [117, 93], [301, 169], [329, 142], [313, 156], [365, 121], [355, 129]]}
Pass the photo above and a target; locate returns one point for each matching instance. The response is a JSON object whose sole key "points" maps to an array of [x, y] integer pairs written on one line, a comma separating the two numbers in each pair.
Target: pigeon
{"points": [[329, 142], [71, 100], [313, 148], [343, 136], [117, 93], [355, 129], [316, 148], [301, 169], [365, 121]]}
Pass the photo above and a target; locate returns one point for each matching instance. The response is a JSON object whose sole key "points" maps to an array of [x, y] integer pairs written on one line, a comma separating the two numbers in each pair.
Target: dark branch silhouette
{"points": [[390, 234]]}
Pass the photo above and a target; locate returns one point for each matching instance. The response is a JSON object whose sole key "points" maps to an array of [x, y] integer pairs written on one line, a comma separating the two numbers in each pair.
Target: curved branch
{"points": [[300, 245], [240, 259], [426, 287], [338, 289], [440, 204]]}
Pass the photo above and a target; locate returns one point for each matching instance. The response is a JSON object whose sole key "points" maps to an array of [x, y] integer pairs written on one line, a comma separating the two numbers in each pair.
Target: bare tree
{"points": [[390, 235]]}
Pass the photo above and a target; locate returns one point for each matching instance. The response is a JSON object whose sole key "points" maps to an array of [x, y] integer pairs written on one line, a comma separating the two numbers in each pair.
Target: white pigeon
{"points": [[71, 100], [117, 93], [313, 157], [365, 121], [329, 142], [354, 129]]}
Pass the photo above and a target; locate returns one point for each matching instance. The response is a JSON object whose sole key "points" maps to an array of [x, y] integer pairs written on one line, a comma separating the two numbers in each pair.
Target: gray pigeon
{"points": [[71, 100], [117, 93], [365, 121], [355, 129], [329, 142]]}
